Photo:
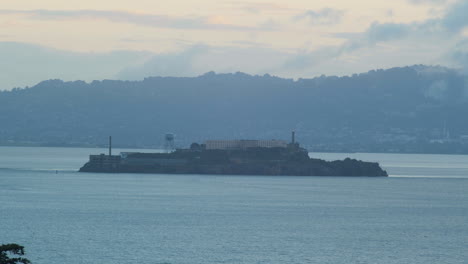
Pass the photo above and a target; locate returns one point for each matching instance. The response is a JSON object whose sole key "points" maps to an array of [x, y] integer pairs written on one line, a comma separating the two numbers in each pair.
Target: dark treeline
{"points": [[410, 109], [12, 254]]}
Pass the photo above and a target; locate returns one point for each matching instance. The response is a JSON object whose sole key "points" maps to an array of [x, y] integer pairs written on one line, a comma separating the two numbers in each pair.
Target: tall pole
{"points": [[293, 137], [110, 145]]}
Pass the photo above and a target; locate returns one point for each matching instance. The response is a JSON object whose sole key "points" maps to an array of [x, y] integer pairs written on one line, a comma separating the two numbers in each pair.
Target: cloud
{"points": [[374, 34], [387, 31], [26, 64], [177, 64], [377, 33], [442, 31], [270, 25], [258, 7], [390, 13], [434, 41], [419, 2], [460, 55], [148, 20], [303, 60], [437, 90], [202, 58], [456, 19], [326, 16], [450, 24]]}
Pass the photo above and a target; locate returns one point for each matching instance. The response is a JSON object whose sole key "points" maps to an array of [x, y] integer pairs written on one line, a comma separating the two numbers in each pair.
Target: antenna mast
{"points": [[110, 145]]}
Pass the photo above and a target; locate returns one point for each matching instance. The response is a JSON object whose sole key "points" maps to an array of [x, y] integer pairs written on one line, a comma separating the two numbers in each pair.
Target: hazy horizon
{"points": [[301, 39], [436, 68]]}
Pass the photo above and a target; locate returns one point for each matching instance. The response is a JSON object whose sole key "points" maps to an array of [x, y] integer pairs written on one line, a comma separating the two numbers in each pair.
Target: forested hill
{"points": [[410, 109]]}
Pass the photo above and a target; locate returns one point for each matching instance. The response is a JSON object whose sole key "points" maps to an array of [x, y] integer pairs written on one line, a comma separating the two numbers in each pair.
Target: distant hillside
{"points": [[411, 109]]}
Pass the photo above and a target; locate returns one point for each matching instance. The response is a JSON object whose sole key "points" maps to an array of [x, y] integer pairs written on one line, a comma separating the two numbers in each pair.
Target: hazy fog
{"points": [[123, 40]]}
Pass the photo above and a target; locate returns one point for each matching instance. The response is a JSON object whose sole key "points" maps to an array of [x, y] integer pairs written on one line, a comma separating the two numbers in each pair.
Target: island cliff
{"points": [[245, 157]]}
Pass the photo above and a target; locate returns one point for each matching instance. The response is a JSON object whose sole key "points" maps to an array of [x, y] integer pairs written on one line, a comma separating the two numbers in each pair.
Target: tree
{"points": [[12, 249]]}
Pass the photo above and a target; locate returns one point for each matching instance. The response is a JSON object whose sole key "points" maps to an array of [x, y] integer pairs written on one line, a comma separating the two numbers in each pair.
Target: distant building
{"points": [[105, 161], [244, 144]]}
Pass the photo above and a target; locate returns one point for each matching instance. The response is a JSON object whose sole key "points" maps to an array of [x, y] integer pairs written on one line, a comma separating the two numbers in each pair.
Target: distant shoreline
{"points": [[104, 147]]}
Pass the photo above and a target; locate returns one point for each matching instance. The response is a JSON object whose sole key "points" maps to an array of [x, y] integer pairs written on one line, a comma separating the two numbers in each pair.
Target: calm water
{"points": [[419, 215]]}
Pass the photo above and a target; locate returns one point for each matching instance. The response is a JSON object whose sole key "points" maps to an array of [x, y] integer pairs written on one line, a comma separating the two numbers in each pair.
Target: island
{"points": [[232, 157]]}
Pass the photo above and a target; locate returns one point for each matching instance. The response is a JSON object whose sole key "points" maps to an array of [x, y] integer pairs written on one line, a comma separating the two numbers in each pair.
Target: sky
{"points": [[130, 40]]}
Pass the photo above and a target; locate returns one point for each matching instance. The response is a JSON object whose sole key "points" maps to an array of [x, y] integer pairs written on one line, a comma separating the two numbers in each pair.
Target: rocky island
{"points": [[232, 157]]}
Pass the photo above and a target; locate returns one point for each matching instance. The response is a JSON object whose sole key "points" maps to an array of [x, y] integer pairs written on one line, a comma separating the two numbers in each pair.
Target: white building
{"points": [[244, 144]]}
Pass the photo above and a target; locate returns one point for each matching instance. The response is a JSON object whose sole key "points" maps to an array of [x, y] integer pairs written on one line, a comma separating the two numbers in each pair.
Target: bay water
{"points": [[417, 215]]}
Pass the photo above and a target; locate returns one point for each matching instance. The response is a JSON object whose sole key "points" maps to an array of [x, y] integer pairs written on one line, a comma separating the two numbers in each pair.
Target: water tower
{"points": [[169, 144]]}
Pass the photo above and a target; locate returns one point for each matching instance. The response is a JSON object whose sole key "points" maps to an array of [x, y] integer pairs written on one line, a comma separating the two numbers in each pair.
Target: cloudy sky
{"points": [[124, 39]]}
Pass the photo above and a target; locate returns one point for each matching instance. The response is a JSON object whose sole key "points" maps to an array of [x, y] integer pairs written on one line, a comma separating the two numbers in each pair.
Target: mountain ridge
{"points": [[405, 109]]}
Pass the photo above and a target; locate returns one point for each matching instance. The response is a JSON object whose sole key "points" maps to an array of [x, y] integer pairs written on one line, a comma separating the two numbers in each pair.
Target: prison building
{"points": [[244, 144]]}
